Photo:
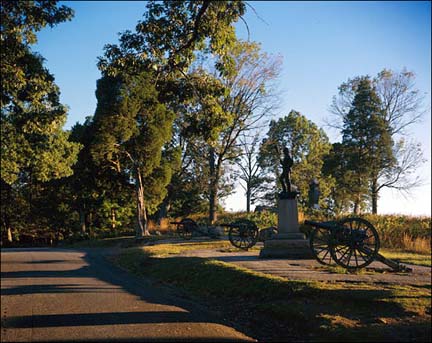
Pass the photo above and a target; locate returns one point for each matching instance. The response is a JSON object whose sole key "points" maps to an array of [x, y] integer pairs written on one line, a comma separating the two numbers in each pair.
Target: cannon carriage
{"points": [[242, 233], [352, 243]]}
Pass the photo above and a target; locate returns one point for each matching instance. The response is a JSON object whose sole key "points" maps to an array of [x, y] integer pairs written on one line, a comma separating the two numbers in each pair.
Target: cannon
{"points": [[352, 243], [242, 234], [186, 227]]}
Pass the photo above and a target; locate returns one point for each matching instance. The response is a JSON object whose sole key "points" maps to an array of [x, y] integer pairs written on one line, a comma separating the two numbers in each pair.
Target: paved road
{"points": [[65, 295]]}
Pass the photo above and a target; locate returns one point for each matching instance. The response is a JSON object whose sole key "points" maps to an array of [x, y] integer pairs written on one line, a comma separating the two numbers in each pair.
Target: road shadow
{"points": [[95, 319], [58, 288], [115, 280]]}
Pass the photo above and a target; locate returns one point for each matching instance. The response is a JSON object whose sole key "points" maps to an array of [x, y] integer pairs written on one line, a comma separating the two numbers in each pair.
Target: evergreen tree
{"points": [[367, 138], [401, 105], [132, 126], [98, 194]]}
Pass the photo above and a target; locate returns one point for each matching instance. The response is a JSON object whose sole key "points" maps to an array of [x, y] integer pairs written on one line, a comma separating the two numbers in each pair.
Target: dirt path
{"points": [[308, 269], [75, 295]]}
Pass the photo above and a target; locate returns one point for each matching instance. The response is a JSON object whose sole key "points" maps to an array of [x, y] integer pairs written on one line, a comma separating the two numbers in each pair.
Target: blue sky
{"points": [[322, 44]]}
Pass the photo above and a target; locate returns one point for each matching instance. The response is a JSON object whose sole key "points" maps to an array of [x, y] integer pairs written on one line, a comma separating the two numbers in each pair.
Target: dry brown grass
{"points": [[420, 245]]}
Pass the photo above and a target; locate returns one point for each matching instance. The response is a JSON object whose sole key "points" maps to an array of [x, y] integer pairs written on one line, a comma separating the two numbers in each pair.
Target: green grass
{"points": [[273, 308], [407, 257], [163, 250]]}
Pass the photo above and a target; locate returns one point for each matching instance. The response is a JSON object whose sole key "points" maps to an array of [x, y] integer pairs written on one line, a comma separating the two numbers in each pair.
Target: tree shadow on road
{"points": [[103, 278]]}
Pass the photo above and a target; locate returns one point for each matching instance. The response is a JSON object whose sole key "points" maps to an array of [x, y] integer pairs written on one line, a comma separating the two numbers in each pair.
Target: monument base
{"points": [[290, 235], [286, 248]]}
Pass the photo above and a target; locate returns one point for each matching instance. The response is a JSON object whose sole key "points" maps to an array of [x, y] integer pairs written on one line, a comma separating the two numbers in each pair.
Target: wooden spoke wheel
{"points": [[355, 243], [186, 227], [320, 242], [243, 234]]}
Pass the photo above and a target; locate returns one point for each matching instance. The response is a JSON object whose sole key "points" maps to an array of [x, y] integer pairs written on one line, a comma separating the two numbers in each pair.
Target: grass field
{"points": [[274, 308]]}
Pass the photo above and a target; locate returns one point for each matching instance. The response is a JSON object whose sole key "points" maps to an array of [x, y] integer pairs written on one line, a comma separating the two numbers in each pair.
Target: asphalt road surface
{"points": [[70, 295]]}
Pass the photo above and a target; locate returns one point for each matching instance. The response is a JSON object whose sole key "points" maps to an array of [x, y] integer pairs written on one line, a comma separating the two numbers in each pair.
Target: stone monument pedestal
{"points": [[289, 242]]}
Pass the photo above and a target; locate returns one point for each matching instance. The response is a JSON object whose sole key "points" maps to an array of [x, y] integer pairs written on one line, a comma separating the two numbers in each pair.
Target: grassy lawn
{"points": [[165, 250], [274, 308], [407, 257]]}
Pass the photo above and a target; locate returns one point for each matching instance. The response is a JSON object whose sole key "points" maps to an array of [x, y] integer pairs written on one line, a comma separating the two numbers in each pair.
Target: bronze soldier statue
{"points": [[285, 177]]}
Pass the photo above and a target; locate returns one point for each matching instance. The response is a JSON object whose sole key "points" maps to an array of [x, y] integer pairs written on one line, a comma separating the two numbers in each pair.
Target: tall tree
{"points": [[401, 106], [199, 118], [132, 126], [34, 148], [367, 136], [23, 77], [163, 47], [250, 98], [308, 145]]}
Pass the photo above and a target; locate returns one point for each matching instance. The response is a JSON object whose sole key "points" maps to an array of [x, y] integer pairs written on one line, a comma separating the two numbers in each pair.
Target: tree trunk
{"points": [[213, 187], [113, 218], [374, 196], [9, 235], [30, 196], [248, 199], [90, 219], [358, 197], [356, 209], [213, 204], [141, 225], [82, 217], [357, 205]]}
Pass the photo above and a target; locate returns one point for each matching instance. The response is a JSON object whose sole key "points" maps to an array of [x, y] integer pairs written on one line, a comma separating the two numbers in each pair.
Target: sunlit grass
{"points": [[407, 257], [169, 249]]}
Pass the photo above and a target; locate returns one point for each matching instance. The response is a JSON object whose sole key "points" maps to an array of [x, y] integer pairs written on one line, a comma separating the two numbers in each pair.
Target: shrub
{"points": [[403, 232]]}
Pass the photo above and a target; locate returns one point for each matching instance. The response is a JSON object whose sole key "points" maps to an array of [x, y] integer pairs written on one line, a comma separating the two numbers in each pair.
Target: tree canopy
{"points": [[32, 116]]}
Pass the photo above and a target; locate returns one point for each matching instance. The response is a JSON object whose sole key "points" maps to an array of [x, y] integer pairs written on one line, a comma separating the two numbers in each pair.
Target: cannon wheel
{"points": [[267, 233], [186, 227], [243, 234], [320, 240], [355, 243]]}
